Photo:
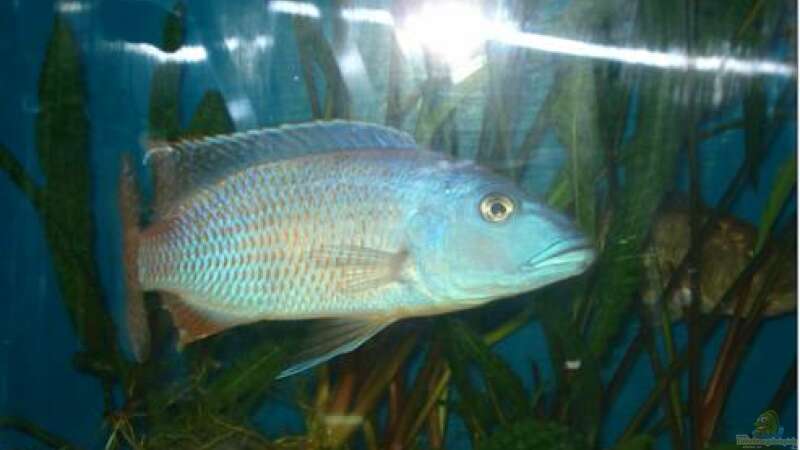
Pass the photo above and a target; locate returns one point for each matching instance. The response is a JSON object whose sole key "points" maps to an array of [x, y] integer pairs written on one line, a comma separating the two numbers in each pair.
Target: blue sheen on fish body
{"points": [[341, 221], [465, 259]]}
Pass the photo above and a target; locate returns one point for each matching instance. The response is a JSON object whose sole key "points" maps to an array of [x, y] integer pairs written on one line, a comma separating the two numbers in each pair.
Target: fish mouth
{"points": [[568, 257]]}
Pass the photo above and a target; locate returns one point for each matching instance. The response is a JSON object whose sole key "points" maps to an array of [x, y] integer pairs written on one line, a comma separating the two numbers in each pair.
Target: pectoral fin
{"points": [[363, 268], [333, 337]]}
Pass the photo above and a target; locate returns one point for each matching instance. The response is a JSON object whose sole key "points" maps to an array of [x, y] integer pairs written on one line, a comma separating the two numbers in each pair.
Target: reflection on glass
{"points": [[460, 42], [72, 7], [185, 54], [294, 8]]}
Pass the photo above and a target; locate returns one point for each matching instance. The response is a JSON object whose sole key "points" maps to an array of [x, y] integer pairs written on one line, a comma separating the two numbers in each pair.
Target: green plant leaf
{"points": [[579, 388], [574, 117], [174, 32], [211, 117], [432, 118], [62, 140], [560, 194], [36, 432], [648, 164], [755, 125], [203, 429], [20, 177], [640, 442], [649, 170], [243, 385], [230, 390], [782, 187], [312, 40], [165, 86], [725, 447], [531, 434], [502, 397]]}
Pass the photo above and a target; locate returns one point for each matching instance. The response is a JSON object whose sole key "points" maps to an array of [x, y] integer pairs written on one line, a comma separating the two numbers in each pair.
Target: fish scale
{"points": [[255, 239], [343, 221]]}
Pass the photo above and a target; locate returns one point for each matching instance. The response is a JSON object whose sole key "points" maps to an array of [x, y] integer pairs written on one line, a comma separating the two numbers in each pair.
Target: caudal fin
{"points": [[135, 312]]}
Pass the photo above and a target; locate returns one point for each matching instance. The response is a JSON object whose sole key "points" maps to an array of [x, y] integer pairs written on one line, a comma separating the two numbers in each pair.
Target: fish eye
{"points": [[496, 207]]}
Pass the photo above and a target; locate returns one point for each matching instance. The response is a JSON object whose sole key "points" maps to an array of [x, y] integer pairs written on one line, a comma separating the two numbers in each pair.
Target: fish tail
{"points": [[135, 311]]}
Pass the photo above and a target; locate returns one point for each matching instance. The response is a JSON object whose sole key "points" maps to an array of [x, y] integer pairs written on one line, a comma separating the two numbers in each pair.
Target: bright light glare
{"points": [[461, 72], [232, 43], [259, 42], [370, 15], [294, 8], [71, 7], [240, 109], [185, 54], [667, 60], [351, 63], [454, 32], [262, 41]]}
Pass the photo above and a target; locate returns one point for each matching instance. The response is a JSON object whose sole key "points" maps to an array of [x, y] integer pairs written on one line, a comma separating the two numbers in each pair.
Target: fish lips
{"points": [[561, 260]]}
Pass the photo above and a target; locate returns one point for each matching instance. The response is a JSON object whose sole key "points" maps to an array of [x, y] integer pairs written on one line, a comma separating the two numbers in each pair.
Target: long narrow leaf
{"points": [[782, 187]]}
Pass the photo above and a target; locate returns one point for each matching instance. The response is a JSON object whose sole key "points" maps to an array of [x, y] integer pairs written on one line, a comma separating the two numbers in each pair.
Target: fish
{"points": [[349, 223], [727, 250], [767, 425]]}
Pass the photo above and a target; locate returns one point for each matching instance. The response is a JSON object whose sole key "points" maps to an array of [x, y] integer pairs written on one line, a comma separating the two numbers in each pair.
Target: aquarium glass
{"points": [[399, 224]]}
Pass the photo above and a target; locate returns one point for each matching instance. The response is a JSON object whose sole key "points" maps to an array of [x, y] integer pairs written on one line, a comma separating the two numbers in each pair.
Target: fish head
{"points": [[766, 423], [487, 239]]}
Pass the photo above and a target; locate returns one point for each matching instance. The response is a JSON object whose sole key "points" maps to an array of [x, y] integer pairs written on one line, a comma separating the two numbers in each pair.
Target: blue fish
{"points": [[343, 221]]}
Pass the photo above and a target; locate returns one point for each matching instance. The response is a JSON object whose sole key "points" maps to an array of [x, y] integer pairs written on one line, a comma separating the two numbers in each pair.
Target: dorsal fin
{"points": [[182, 167]]}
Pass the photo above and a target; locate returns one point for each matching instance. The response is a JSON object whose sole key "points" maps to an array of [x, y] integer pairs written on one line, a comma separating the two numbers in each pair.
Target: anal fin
{"points": [[194, 324], [333, 337]]}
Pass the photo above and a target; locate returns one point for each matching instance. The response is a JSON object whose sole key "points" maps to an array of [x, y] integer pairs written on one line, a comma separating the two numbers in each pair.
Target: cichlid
{"points": [[332, 220]]}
